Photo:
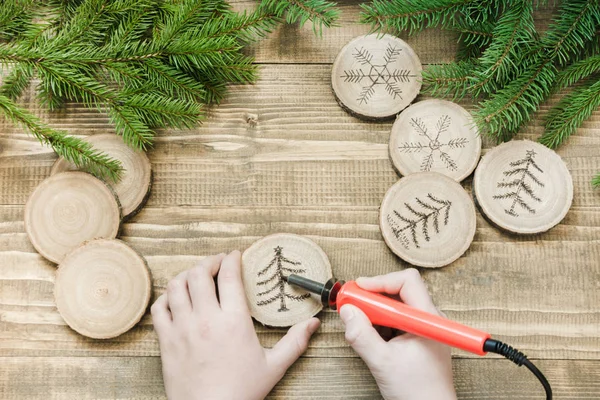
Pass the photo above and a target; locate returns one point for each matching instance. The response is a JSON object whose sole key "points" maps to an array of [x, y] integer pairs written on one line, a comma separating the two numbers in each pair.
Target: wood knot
{"points": [[251, 119]]}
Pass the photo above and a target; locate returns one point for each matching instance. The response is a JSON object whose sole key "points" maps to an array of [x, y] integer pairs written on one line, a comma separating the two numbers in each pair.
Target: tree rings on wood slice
{"points": [[68, 209], [437, 136], [523, 187], [375, 77], [134, 187], [102, 288], [271, 300], [427, 219]]}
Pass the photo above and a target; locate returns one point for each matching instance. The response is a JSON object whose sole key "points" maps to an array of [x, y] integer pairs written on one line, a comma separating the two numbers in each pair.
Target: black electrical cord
{"points": [[514, 355]]}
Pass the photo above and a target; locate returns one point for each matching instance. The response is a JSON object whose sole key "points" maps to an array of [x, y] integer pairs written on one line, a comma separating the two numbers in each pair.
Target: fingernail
{"points": [[346, 313]]}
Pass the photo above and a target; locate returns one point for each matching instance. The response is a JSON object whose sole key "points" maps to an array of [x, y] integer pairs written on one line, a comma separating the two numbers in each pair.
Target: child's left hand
{"points": [[208, 346]]}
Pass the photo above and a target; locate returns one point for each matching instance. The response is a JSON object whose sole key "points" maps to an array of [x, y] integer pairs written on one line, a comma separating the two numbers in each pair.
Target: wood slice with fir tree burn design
{"points": [[68, 209], [427, 219], [523, 187], [134, 187], [437, 136], [375, 77], [102, 288], [271, 300]]}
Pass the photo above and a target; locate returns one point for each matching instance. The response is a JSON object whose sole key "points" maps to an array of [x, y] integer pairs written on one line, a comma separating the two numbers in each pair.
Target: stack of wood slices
{"points": [[427, 218], [102, 286]]}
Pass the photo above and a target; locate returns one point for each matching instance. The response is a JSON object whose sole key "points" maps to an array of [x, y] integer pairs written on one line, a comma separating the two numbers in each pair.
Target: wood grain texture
{"points": [[310, 378], [282, 156]]}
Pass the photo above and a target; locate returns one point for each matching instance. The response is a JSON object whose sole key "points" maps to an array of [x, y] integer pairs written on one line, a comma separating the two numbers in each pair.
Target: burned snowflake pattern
{"points": [[414, 224], [519, 185], [431, 147], [375, 74]]}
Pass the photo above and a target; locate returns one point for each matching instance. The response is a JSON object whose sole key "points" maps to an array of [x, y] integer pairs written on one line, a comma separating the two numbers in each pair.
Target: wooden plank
{"points": [[29, 378], [292, 44], [541, 296]]}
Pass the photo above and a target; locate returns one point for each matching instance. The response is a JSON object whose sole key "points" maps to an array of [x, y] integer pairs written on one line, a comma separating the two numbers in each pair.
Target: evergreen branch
{"points": [[79, 152], [321, 13], [473, 38], [513, 37], [17, 81], [448, 80], [570, 113], [577, 71], [596, 181]]}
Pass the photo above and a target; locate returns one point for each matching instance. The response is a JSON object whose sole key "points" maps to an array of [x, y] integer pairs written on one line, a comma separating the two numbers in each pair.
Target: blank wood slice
{"points": [[68, 209], [271, 300], [134, 187], [523, 187], [427, 219], [437, 136], [375, 77], [102, 288]]}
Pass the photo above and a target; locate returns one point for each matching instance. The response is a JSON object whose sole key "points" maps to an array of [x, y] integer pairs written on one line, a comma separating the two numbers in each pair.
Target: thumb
{"points": [[361, 335], [292, 345]]}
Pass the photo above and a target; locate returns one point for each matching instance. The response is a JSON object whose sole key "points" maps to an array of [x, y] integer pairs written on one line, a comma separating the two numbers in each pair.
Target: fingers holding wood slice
{"points": [[376, 76], [427, 219], [437, 136], [264, 264], [68, 209], [102, 288], [133, 188], [523, 187]]}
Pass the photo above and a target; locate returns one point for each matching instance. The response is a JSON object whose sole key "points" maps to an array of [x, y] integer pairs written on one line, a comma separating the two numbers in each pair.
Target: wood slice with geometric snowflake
{"points": [[427, 219], [264, 264], [375, 77], [437, 136], [102, 288], [68, 209], [133, 188], [523, 187]]}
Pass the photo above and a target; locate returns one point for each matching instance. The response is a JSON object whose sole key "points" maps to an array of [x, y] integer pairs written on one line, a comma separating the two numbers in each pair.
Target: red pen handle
{"points": [[384, 311]]}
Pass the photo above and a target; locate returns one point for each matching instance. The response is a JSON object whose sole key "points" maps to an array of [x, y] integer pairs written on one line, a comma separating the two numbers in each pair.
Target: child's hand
{"points": [[406, 367], [208, 346]]}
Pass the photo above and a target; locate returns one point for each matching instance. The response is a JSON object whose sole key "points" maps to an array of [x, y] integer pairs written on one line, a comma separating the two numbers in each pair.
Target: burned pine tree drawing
{"points": [[520, 183], [278, 268], [414, 225], [377, 74], [431, 144]]}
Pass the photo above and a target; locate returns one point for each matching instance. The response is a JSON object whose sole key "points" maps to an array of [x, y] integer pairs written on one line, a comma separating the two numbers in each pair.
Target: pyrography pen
{"points": [[385, 311]]}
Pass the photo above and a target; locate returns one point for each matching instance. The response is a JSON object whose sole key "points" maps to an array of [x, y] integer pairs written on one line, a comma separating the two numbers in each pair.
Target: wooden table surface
{"points": [[281, 156]]}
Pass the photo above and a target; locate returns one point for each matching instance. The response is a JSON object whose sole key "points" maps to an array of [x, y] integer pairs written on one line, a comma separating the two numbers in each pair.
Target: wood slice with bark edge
{"points": [[271, 300], [374, 77], [68, 209], [523, 187], [102, 288], [437, 136], [134, 187], [427, 219]]}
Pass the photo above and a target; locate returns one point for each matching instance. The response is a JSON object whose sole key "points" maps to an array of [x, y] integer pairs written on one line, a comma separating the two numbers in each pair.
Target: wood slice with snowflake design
{"points": [[523, 187], [427, 219], [375, 77], [437, 136], [264, 264]]}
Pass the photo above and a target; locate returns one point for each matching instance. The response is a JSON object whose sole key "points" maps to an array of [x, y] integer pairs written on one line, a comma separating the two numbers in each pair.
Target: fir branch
{"points": [[573, 109], [448, 80], [77, 151], [578, 71], [321, 13], [596, 181]]}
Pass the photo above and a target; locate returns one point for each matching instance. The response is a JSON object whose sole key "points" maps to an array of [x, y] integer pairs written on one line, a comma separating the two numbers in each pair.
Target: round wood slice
{"points": [[427, 219], [134, 187], [523, 187], [271, 300], [375, 77], [437, 136], [68, 209], [102, 288]]}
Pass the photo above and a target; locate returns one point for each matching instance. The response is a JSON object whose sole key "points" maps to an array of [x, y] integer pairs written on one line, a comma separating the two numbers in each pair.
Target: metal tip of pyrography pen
{"points": [[285, 278]]}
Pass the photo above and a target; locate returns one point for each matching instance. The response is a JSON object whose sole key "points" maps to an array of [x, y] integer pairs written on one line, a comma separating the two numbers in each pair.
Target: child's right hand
{"points": [[407, 367]]}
